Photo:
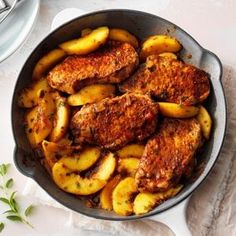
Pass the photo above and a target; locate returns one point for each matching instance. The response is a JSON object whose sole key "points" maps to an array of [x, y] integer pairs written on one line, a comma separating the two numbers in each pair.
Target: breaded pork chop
{"points": [[112, 123], [169, 80], [111, 64], [168, 155]]}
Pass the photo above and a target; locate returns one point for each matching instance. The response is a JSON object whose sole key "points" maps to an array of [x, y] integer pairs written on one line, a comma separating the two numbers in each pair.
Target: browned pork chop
{"points": [[169, 154], [169, 80], [112, 123], [111, 64]]}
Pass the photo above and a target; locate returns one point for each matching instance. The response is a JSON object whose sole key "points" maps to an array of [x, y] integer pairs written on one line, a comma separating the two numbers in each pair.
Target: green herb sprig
{"points": [[9, 198]]}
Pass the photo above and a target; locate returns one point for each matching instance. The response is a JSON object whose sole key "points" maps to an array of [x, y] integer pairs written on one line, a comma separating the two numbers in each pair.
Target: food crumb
{"points": [[189, 56]]}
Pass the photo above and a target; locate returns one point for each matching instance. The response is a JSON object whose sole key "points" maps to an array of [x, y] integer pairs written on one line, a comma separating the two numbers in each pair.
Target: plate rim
{"points": [[8, 53]]}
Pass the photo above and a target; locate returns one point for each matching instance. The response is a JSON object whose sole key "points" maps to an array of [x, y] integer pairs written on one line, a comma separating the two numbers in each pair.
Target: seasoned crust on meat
{"points": [[112, 123], [169, 154], [111, 64], [169, 80]]}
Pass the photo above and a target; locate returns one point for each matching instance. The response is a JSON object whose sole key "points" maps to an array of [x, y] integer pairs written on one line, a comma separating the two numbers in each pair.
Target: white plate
{"points": [[17, 26]]}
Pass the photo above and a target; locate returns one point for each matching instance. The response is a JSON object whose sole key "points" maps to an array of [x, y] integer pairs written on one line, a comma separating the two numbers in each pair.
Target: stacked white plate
{"points": [[17, 26]]}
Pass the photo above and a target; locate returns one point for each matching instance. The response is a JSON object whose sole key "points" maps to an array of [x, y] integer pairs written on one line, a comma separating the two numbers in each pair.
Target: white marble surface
{"points": [[212, 23]]}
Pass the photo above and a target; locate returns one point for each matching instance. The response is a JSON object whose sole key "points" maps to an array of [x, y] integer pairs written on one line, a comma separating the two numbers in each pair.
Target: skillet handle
{"points": [[175, 219], [211, 64], [24, 161], [65, 16]]}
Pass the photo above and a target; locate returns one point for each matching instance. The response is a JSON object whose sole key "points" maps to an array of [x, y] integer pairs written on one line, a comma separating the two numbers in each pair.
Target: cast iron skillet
{"points": [[142, 25]]}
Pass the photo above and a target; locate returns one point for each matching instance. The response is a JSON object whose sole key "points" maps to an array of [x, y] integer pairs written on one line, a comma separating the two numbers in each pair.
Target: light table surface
{"points": [[211, 22]]}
